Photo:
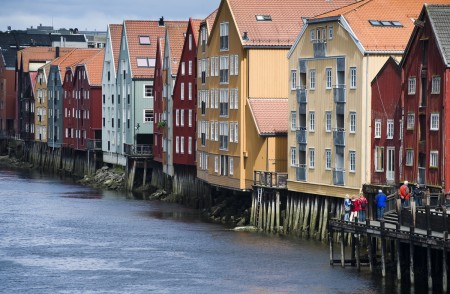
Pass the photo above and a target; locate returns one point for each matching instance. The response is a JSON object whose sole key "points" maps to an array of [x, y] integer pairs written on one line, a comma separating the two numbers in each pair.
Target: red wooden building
{"points": [[82, 104], [386, 124], [185, 99], [426, 98]]}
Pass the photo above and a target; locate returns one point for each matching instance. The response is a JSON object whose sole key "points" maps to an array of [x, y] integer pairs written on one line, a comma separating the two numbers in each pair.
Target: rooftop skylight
{"points": [[144, 40], [385, 23], [263, 18]]}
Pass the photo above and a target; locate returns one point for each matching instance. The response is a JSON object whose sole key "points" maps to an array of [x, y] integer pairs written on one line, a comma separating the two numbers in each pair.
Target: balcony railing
{"points": [[302, 95], [338, 176], [138, 150], [269, 179], [94, 144], [339, 137], [301, 172], [339, 94], [301, 135]]}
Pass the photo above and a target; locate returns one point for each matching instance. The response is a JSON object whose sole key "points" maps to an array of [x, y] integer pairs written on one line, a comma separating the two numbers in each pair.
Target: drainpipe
{"points": [[368, 107]]}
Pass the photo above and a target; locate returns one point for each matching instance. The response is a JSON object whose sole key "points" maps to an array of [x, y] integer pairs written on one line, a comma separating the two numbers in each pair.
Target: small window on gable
{"points": [[144, 40], [263, 17]]}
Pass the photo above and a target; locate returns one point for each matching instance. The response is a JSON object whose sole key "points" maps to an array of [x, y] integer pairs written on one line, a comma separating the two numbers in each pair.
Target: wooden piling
{"points": [[357, 252], [369, 247], [277, 210], [397, 255], [272, 214], [444, 264], [429, 269], [342, 248], [330, 241], [383, 251], [411, 256]]}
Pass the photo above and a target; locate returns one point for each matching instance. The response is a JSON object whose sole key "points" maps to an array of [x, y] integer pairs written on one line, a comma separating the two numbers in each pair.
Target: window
{"points": [[293, 156], [263, 17], [182, 69], [190, 91], [312, 79], [328, 77], [190, 68], [231, 166], [311, 158], [379, 158], [236, 132], [224, 36], [293, 120], [223, 135], [236, 65], [312, 35], [182, 145], [328, 121], [390, 128], [177, 144], [436, 85], [177, 117], [312, 121], [224, 165], [352, 156], [144, 40], [223, 102], [352, 77], [410, 121], [409, 157], [412, 86], [148, 91], [434, 158], [190, 42], [148, 115], [434, 122], [182, 117], [352, 122], [328, 159], [293, 79], [190, 145], [182, 91], [190, 118], [216, 164], [400, 131], [224, 69], [378, 128], [330, 33]]}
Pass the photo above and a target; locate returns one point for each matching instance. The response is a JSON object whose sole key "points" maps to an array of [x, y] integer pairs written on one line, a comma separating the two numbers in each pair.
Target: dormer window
{"points": [[144, 40], [263, 18]]}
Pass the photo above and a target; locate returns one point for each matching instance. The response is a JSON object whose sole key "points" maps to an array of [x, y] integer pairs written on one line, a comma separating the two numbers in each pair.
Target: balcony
{"points": [[320, 48], [339, 137], [301, 172], [95, 144], [338, 176], [301, 135], [302, 95], [269, 179], [339, 94], [139, 150]]}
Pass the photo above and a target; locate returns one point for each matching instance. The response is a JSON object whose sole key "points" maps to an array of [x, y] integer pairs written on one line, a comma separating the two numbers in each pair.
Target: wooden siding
{"points": [[267, 72]]}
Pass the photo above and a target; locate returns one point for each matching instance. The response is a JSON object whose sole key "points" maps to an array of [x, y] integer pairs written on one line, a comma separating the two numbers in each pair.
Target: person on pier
{"points": [[380, 200], [355, 208], [417, 195], [364, 203], [404, 194], [347, 207]]}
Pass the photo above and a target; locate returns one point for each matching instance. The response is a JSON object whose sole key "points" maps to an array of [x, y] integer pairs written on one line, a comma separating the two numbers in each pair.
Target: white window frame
{"points": [[378, 161], [377, 128], [353, 77], [409, 157], [293, 79], [352, 161], [434, 122], [190, 118], [390, 129], [434, 158], [328, 159], [328, 120], [436, 85], [183, 68], [190, 68], [293, 156], [177, 144], [293, 120], [312, 79], [312, 121], [410, 121], [312, 159], [328, 78], [411, 85], [231, 165], [182, 91], [352, 122]]}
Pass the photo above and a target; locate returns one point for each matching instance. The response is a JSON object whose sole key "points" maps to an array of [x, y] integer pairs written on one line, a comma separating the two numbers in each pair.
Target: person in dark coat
{"points": [[417, 195]]}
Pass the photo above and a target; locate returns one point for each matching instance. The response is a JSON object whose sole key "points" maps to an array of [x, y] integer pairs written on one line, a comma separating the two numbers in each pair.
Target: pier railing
{"points": [[269, 179], [138, 150]]}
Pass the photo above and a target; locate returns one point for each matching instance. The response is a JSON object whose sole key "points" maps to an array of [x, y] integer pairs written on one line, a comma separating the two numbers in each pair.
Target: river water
{"points": [[60, 237]]}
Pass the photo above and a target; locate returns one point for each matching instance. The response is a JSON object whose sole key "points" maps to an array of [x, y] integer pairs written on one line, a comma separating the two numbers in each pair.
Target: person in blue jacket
{"points": [[380, 199]]}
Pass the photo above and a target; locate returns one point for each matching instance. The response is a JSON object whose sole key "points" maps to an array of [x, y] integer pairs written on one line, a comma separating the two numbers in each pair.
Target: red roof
{"points": [[285, 18], [115, 32], [270, 115], [176, 34]]}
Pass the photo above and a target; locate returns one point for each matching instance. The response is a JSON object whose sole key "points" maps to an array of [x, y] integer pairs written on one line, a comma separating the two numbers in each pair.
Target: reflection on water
{"points": [[59, 237]]}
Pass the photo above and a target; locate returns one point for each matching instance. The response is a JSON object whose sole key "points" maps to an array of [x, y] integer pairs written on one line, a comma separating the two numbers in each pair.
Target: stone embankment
{"points": [[14, 163], [106, 178]]}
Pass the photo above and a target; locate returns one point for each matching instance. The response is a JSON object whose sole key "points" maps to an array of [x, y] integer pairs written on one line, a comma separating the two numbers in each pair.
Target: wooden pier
{"points": [[426, 228]]}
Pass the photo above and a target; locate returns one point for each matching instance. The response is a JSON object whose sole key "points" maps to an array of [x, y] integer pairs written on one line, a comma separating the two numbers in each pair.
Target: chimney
{"points": [[245, 36], [161, 21]]}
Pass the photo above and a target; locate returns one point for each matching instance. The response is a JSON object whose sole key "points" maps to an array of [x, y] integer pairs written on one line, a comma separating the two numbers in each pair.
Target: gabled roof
{"points": [[175, 36], [45, 69], [270, 115], [281, 19], [75, 57], [94, 67], [115, 33], [210, 19], [195, 23], [440, 21], [38, 54], [379, 38], [395, 64], [133, 29]]}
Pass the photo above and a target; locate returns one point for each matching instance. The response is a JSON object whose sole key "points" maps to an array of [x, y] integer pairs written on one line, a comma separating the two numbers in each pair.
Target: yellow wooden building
{"points": [[40, 104]]}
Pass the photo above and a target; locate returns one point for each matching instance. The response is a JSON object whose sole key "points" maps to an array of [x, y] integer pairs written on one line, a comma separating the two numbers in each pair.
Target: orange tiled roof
{"points": [[270, 115], [115, 31], [135, 28], [94, 67], [210, 20], [286, 18], [75, 57], [195, 23], [38, 54], [381, 38], [176, 34]]}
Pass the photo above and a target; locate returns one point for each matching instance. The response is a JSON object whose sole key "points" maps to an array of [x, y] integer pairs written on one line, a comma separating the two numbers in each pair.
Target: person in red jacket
{"points": [[404, 194], [355, 208]]}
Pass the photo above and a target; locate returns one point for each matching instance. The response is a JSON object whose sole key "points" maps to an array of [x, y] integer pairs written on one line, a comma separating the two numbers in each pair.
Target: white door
{"points": [[390, 164]]}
